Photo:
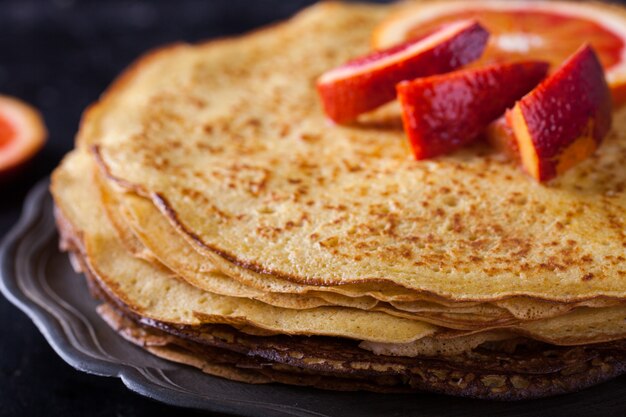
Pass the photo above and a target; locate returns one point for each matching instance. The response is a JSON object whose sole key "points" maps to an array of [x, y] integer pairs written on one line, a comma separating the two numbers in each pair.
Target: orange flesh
{"points": [[7, 132], [528, 154], [535, 34]]}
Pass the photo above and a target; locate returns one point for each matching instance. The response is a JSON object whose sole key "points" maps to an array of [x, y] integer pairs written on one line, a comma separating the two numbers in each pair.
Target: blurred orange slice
{"points": [[22, 133], [522, 30]]}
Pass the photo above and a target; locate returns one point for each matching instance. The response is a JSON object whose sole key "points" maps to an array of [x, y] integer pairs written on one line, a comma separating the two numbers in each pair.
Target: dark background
{"points": [[59, 56]]}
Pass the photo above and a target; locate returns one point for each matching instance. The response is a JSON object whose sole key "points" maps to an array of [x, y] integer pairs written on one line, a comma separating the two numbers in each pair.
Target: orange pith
{"points": [[520, 34]]}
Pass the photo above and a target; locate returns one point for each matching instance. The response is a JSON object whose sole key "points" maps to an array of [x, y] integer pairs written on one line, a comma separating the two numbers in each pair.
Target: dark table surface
{"points": [[60, 55]]}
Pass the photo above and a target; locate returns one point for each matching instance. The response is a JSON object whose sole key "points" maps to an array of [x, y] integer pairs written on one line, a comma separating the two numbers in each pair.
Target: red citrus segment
{"points": [[7, 131], [440, 112], [368, 82], [563, 120], [544, 30], [22, 132]]}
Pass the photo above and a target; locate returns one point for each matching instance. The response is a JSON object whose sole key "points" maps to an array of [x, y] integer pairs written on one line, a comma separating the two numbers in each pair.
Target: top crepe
{"points": [[228, 139]]}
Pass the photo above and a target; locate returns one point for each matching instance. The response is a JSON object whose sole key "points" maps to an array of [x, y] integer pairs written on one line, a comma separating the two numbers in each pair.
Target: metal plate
{"points": [[39, 280]]}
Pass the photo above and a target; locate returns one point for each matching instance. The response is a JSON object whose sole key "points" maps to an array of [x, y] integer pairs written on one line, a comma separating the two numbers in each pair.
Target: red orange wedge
{"points": [[368, 82], [563, 120], [444, 112]]}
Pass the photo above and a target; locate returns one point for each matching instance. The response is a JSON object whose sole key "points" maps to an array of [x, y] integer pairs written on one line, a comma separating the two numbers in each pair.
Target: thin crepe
{"points": [[265, 183]]}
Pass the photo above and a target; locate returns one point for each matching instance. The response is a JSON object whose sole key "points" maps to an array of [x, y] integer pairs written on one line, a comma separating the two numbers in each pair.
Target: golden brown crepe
{"points": [[227, 225], [265, 182]]}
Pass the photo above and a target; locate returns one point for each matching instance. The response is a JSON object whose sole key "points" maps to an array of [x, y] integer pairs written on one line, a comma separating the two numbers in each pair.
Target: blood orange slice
{"points": [[367, 82], [552, 137], [543, 30], [439, 112], [22, 133]]}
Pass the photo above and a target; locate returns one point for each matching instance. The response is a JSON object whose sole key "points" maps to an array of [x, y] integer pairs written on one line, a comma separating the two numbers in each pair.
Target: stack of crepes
{"points": [[225, 224]]}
